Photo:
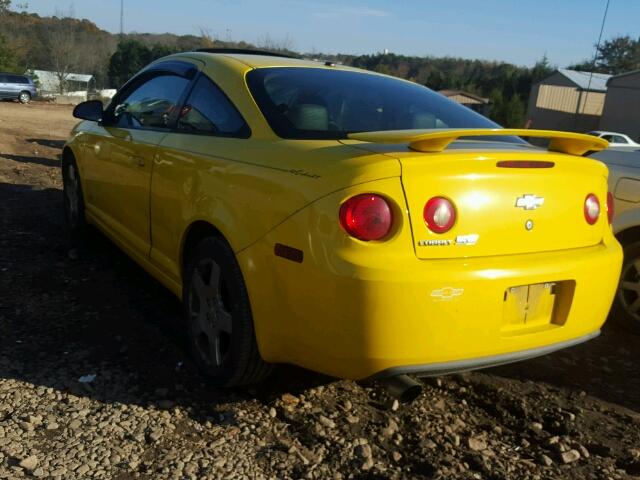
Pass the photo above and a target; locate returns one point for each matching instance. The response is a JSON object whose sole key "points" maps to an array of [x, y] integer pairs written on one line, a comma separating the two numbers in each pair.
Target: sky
{"points": [[514, 31]]}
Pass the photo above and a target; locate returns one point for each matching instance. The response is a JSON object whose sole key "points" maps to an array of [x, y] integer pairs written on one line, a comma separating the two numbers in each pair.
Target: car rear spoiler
{"points": [[436, 140]]}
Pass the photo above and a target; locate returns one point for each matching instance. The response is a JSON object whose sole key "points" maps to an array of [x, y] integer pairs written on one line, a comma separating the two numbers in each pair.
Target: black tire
{"points": [[73, 199], [626, 306], [24, 97], [218, 315]]}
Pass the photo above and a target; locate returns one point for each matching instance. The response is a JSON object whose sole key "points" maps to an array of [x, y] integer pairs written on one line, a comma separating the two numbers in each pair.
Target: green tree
{"points": [[4, 6], [129, 58], [8, 60], [616, 55]]}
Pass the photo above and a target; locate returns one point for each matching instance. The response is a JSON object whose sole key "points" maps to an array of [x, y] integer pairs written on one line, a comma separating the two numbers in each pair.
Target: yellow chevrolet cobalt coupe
{"points": [[345, 221]]}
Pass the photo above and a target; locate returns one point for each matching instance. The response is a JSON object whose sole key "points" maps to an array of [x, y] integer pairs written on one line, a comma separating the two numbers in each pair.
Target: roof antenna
{"points": [[595, 56]]}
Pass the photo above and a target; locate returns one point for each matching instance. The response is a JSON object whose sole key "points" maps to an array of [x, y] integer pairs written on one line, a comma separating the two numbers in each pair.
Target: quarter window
{"points": [[152, 104], [209, 111]]}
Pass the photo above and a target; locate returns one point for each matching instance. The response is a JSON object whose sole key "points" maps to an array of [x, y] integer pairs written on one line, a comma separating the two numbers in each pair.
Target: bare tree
{"points": [[284, 44], [64, 49]]}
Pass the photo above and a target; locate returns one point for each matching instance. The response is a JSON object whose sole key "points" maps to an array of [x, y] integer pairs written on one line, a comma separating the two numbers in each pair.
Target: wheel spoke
{"points": [[633, 286], [216, 353], [635, 306], [214, 277], [223, 320]]}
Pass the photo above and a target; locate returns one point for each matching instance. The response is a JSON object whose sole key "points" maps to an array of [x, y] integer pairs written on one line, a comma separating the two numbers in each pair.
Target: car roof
{"points": [[262, 59]]}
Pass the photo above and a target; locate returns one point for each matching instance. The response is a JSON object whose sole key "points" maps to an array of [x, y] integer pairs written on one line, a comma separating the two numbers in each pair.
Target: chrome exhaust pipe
{"points": [[402, 387]]}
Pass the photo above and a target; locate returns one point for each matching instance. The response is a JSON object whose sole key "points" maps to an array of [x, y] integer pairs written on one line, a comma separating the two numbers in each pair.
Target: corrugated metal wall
{"points": [[566, 99]]}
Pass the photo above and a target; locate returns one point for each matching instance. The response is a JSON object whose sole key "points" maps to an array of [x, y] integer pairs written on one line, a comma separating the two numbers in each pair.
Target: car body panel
{"points": [[346, 307], [624, 184]]}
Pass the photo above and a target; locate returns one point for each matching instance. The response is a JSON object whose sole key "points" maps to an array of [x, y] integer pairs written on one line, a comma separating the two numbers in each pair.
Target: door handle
{"points": [[139, 161]]}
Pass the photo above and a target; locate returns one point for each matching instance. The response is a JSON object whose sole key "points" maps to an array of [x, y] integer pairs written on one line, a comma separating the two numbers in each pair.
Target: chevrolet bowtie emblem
{"points": [[529, 202]]}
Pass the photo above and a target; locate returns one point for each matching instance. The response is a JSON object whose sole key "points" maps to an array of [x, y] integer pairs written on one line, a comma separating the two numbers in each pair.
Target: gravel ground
{"points": [[95, 381]]}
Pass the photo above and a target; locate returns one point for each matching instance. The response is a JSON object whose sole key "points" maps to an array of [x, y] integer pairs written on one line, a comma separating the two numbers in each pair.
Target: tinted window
{"points": [[619, 139], [3, 79], [23, 80], [13, 79], [322, 103], [608, 138], [151, 104], [208, 110]]}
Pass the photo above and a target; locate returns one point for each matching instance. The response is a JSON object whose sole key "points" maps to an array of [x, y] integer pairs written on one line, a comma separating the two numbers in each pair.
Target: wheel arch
{"points": [[629, 235], [196, 231]]}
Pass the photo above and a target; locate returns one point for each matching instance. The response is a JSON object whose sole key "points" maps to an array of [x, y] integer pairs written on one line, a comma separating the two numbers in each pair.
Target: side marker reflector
{"points": [[288, 252]]}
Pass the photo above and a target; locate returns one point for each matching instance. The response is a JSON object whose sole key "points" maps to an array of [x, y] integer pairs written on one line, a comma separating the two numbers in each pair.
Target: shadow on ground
{"points": [[98, 315], [101, 314]]}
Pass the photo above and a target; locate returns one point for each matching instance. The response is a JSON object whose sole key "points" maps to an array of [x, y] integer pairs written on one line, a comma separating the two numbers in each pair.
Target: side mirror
{"points": [[91, 110]]}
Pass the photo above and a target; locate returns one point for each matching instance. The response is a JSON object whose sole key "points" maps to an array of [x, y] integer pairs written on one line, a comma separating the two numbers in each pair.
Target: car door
{"points": [[191, 164], [13, 86], [119, 174]]}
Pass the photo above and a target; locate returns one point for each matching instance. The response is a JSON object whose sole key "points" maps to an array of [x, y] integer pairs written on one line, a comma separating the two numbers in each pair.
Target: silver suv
{"points": [[17, 87], [624, 185]]}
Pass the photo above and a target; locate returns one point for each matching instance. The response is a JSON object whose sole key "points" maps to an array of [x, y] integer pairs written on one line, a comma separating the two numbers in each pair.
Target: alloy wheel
{"points": [[629, 290], [72, 194], [209, 313]]}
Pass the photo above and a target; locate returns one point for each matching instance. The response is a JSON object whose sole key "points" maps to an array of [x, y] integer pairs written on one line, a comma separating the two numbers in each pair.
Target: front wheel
{"points": [[218, 314], [24, 97], [626, 307], [73, 200]]}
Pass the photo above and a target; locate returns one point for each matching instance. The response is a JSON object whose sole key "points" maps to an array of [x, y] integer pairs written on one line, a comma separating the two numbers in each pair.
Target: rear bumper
{"points": [[446, 368], [351, 320]]}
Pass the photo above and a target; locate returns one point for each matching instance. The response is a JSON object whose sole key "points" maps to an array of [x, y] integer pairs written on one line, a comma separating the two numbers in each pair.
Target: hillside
{"points": [[73, 45]]}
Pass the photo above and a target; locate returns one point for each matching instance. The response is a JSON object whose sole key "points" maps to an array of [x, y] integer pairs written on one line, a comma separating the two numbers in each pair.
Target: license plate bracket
{"points": [[529, 306]]}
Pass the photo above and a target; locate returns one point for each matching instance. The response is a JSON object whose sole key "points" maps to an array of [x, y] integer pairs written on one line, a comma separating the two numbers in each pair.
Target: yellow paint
{"points": [[352, 308]]}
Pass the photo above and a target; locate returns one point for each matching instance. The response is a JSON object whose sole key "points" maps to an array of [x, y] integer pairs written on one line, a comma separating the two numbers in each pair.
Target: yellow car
{"points": [[348, 222]]}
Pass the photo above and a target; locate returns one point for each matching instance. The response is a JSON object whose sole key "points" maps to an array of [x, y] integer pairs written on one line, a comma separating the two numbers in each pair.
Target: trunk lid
{"points": [[503, 211]]}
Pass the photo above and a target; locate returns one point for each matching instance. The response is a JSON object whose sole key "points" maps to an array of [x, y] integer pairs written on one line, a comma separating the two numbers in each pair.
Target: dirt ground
{"points": [[148, 414]]}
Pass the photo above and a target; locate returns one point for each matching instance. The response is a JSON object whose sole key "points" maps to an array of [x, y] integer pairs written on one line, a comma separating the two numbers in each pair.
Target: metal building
{"points": [[568, 100], [622, 107], [474, 102]]}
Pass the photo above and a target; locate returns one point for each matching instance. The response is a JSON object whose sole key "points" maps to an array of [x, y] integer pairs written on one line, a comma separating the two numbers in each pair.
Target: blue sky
{"points": [[510, 30]]}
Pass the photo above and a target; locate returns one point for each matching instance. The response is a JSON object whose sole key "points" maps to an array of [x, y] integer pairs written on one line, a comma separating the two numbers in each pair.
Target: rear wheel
{"points": [[24, 97], [218, 315], [626, 309]]}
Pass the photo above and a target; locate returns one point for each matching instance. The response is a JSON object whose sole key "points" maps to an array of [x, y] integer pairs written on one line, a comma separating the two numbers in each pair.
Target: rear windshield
{"points": [[318, 103]]}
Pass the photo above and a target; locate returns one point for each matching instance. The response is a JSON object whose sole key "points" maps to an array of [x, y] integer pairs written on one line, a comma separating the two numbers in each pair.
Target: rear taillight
{"points": [[591, 209], [610, 207], [439, 214], [366, 217]]}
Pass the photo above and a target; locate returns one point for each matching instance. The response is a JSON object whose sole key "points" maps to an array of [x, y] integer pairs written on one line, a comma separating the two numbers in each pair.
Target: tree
{"points": [[616, 55], [8, 60], [4, 6], [129, 58]]}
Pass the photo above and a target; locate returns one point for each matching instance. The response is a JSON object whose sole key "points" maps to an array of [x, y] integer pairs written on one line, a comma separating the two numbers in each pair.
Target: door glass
{"points": [[3, 79], [208, 110], [12, 79], [619, 139], [152, 104]]}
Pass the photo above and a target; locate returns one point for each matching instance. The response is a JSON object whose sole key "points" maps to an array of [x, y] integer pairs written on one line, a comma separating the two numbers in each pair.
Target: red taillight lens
{"points": [[610, 207], [439, 215], [591, 209], [366, 217]]}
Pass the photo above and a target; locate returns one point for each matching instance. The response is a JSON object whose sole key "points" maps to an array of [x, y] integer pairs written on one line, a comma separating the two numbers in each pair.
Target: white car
{"points": [[615, 139]]}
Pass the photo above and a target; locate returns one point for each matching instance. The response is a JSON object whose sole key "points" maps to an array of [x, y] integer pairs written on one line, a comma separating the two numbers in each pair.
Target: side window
{"points": [[208, 110], [12, 79], [608, 138], [4, 79], [619, 139], [23, 80], [152, 104]]}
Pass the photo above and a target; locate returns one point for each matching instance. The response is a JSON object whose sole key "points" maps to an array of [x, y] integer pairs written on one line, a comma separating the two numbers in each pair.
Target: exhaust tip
{"points": [[403, 387]]}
